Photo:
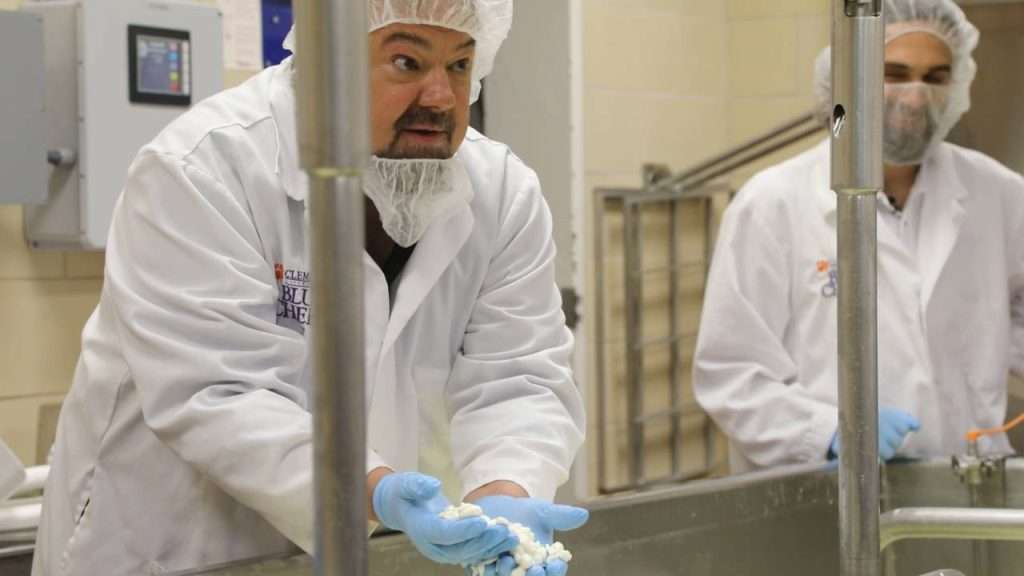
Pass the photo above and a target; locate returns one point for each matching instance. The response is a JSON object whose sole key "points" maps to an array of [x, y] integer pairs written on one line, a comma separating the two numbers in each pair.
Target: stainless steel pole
{"points": [[332, 102], [858, 47]]}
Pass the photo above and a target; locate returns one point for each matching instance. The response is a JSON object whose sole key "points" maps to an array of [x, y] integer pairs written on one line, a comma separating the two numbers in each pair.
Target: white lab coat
{"points": [[186, 439], [950, 321], [12, 472]]}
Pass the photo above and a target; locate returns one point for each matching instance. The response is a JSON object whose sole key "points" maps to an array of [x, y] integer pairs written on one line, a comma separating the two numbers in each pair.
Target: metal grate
{"points": [[637, 276], [667, 191]]}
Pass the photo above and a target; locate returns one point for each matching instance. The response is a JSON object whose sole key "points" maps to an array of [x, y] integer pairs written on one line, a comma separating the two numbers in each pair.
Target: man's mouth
{"points": [[422, 133], [425, 133]]}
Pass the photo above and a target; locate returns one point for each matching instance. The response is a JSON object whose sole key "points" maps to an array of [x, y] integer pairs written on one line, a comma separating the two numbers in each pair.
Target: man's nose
{"points": [[437, 91], [917, 97]]}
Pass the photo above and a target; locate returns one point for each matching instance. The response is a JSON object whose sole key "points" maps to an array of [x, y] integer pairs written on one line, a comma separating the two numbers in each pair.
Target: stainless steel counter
{"points": [[777, 523]]}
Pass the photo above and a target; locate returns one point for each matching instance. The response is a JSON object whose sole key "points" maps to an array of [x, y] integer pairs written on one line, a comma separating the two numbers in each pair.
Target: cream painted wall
{"points": [[45, 299], [676, 82], [656, 89], [772, 48]]}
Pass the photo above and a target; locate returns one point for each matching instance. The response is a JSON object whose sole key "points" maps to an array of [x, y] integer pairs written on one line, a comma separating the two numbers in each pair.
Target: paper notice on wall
{"points": [[243, 34]]}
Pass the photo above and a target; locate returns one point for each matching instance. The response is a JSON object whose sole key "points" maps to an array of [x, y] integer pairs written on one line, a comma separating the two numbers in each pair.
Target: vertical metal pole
{"points": [[710, 237], [674, 337], [600, 339], [858, 49], [634, 270], [332, 103]]}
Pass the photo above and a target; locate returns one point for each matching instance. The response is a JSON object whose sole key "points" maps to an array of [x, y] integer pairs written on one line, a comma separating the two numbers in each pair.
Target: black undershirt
{"points": [[395, 263]]}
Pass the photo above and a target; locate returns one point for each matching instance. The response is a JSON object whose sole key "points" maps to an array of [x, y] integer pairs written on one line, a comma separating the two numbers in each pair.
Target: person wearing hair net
{"points": [[186, 439], [950, 275]]}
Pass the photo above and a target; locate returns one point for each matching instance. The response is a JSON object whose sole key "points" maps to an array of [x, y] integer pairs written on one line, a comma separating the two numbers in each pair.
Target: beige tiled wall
{"points": [[772, 48], [676, 82], [45, 299], [656, 90]]}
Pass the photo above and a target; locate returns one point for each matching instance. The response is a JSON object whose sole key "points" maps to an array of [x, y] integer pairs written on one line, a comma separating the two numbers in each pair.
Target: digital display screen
{"points": [[161, 66]]}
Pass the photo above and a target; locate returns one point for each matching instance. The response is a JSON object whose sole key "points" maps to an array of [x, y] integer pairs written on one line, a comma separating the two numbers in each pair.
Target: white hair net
{"points": [[945, 20], [486, 21]]}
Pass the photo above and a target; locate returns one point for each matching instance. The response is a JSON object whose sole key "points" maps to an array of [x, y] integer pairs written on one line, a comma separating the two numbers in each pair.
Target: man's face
{"points": [[918, 57], [918, 71], [420, 79]]}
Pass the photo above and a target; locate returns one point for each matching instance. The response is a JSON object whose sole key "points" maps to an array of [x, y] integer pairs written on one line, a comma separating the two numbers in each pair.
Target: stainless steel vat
{"points": [[778, 523]]}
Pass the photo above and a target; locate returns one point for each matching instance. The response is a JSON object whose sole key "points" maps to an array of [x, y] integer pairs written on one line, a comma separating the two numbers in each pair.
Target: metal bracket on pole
{"points": [[332, 100], [858, 50]]}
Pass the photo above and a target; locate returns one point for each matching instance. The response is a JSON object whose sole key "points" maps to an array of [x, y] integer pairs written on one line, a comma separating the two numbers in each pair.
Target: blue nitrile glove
{"points": [[411, 503], [543, 518], [893, 427]]}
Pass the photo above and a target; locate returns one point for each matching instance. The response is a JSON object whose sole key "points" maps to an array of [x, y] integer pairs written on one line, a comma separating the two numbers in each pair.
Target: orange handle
{"points": [[974, 435]]}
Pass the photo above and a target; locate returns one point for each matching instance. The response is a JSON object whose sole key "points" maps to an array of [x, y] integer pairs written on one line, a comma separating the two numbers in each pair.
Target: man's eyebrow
{"points": [[421, 41], [898, 67], [409, 37]]}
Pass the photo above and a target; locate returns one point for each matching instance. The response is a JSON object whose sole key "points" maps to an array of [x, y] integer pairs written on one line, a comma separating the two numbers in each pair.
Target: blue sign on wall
{"points": [[277, 21]]}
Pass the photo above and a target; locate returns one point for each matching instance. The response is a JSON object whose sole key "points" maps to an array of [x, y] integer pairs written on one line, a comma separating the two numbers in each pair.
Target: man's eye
{"points": [[405, 63], [462, 66], [938, 79]]}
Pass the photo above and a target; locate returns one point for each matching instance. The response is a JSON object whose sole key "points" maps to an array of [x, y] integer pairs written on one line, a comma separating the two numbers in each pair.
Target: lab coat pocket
{"points": [[81, 531]]}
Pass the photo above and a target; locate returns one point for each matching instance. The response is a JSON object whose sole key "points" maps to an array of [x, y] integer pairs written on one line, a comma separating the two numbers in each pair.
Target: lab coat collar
{"points": [[821, 181], [433, 254], [282, 106], [942, 215], [941, 219], [825, 198]]}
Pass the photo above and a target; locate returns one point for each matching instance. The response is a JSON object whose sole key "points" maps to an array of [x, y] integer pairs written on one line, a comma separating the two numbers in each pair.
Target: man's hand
{"points": [[412, 503], [543, 518], [893, 428]]}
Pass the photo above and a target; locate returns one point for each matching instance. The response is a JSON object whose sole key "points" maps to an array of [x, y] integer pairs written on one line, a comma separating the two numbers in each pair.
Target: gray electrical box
{"points": [[116, 73], [23, 169]]}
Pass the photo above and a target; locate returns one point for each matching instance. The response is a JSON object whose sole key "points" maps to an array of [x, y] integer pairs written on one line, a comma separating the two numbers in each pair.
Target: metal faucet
{"points": [[973, 469]]}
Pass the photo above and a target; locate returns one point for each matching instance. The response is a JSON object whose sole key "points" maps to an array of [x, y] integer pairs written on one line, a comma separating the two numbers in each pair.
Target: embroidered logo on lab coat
{"points": [[831, 272], [293, 296]]}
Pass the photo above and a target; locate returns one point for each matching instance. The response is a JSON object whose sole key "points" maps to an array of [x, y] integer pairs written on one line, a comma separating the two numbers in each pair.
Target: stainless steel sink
{"points": [[777, 523]]}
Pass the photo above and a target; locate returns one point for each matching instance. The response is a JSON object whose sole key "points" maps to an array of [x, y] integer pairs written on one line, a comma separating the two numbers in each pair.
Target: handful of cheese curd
{"points": [[529, 553]]}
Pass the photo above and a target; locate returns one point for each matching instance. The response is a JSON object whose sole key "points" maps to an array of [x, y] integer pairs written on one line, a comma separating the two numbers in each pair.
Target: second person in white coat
{"points": [[950, 276]]}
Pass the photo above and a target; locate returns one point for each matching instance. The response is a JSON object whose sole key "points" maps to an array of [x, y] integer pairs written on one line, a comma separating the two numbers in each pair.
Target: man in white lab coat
{"points": [[186, 439], [950, 276]]}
